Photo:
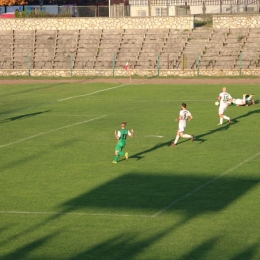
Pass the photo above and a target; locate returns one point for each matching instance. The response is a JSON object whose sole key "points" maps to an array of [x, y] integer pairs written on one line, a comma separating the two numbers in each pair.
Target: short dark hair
{"points": [[123, 123], [183, 105]]}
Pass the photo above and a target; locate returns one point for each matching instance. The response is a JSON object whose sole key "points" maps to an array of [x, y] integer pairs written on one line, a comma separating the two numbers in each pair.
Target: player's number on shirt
{"points": [[225, 98], [185, 116], [124, 136]]}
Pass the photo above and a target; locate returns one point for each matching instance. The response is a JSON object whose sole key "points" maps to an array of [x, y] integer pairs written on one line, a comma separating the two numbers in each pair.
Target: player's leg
{"points": [[222, 109], [176, 138], [188, 136], [117, 153], [220, 119], [121, 153]]}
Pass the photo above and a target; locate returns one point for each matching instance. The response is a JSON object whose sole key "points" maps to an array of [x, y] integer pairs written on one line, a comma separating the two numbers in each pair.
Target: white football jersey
{"points": [[184, 116], [224, 97], [239, 102]]}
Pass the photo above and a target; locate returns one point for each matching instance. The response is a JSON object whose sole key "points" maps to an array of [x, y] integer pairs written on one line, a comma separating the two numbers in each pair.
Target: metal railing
{"points": [[145, 64]]}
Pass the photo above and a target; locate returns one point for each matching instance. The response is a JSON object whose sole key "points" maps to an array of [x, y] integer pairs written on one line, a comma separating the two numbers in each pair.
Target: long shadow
{"points": [[248, 114], [248, 253], [153, 193], [31, 90], [24, 116], [139, 156], [24, 251], [198, 138], [25, 159], [148, 194], [125, 246], [202, 250], [224, 127]]}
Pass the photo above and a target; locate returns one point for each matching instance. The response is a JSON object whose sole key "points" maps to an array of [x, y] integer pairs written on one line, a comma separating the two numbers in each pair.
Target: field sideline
{"points": [[62, 198]]}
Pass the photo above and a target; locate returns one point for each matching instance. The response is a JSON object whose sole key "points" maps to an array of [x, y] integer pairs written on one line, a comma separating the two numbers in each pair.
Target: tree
{"points": [[12, 2]]}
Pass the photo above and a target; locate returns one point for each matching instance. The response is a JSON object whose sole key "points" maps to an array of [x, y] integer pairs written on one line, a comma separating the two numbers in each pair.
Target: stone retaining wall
{"points": [[236, 21], [148, 73], [174, 22], [180, 22]]}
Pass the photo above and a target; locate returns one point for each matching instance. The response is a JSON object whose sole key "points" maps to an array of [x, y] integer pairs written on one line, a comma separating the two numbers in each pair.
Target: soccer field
{"points": [[62, 198]]}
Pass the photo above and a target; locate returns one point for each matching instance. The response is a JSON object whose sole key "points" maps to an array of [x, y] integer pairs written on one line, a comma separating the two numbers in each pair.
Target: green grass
{"points": [[62, 198], [73, 78]]}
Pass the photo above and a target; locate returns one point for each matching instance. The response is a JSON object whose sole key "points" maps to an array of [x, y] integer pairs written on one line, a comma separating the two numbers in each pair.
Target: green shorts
{"points": [[119, 147]]}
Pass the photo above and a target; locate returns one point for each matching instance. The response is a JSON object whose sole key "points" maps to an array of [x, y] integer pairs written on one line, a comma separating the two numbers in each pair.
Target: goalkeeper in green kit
{"points": [[121, 136]]}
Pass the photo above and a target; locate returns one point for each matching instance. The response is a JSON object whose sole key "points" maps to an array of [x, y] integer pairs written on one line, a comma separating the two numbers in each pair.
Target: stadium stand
{"points": [[251, 50], [6, 45], [145, 48], [87, 48], [65, 45], [108, 46], [172, 49], [197, 40], [152, 45], [130, 46], [44, 49], [22, 49]]}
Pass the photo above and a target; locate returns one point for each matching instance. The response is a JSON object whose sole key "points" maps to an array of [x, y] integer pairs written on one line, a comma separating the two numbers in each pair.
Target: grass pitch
{"points": [[62, 198]]}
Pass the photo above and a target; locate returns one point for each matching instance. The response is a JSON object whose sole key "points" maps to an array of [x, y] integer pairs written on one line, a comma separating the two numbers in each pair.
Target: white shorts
{"points": [[181, 127], [222, 109], [239, 102]]}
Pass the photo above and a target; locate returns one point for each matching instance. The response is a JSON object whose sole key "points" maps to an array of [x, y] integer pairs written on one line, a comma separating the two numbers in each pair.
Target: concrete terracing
{"points": [[60, 49]]}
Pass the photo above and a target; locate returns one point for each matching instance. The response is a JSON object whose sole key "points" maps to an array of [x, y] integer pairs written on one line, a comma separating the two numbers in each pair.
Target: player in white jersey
{"points": [[246, 101], [184, 116], [224, 99], [238, 102]]}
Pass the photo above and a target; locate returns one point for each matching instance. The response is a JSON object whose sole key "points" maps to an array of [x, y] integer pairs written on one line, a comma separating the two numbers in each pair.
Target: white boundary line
{"points": [[203, 185], [57, 129], [53, 102], [158, 136], [72, 213], [153, 100], [88, 94]]}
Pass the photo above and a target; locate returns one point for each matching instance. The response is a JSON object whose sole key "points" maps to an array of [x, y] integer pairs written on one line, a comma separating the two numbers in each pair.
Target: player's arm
{"points": [[178, 118], [131, 133], [190, 118], [116, 136], [219, 97]]}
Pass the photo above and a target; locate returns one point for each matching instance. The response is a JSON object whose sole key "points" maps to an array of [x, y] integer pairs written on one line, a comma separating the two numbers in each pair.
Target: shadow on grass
{"points": [[224, 127], [189, 195], [24, 116], [33, 89], [23, 252], [155, 193], [139, 156]]}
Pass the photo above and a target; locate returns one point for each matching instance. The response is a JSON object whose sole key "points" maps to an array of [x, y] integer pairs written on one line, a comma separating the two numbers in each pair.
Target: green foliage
{"points": [[62, 198], [40, 14], [203, 20], [240, 37]]}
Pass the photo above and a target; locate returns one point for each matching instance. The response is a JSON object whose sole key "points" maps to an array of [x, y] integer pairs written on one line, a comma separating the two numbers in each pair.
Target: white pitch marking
{"points": [[203, 185], [158, 136], [151, 100], [52, 114], [88, 94], [64, 99], [57, 129], [72, 213]]}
